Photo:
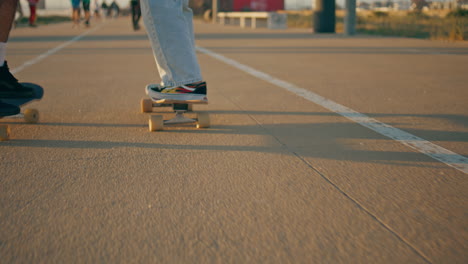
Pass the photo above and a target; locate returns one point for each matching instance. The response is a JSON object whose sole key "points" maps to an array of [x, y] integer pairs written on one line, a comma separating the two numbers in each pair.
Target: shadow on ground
{"points": [[363, 49], [321, 140]]}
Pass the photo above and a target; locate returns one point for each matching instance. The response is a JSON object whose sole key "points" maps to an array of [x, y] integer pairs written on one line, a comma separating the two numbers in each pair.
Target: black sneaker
{"points": [[8, 109], [188, 92], [9, 86]]}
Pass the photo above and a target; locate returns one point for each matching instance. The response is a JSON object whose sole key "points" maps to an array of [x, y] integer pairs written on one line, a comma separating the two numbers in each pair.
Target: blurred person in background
{"points": [[97, 10], [114, 10], [136, 13], [32, 12], [86, 4], [19, 14], [105, 8], [76, 12]]}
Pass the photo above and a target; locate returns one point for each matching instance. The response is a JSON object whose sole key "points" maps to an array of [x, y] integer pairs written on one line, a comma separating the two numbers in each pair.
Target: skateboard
{"points": [[157, 122], [30, 116]]}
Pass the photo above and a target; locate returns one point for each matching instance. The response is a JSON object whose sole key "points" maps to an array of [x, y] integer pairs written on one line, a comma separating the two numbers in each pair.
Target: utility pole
{"points": [[350, 18], [214, 10], [324, 16]]}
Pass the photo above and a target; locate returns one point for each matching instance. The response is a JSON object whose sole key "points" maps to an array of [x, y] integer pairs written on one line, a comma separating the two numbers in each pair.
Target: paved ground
{"points": [[276, 179]]}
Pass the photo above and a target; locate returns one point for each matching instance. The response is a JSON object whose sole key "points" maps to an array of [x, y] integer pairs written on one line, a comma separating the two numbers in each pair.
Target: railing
{"points": [[274, 20]]}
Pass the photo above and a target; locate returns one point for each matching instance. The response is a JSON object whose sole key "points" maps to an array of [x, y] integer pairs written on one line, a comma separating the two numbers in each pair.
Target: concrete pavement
{"points": [[276, 179]]}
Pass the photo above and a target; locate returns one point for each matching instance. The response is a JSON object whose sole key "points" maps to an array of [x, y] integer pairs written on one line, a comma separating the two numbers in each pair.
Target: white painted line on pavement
{"points": [[52, 51], [448, 157]]}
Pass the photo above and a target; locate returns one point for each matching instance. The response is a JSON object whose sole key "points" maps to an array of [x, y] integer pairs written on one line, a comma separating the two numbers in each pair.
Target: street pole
{"points": [[324, 16], [214, 10], [350, 18]]}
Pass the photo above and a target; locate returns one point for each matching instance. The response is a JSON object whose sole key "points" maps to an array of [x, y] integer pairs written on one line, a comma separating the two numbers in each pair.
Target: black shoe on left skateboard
{"points": [[11, 88], [8, 109]]}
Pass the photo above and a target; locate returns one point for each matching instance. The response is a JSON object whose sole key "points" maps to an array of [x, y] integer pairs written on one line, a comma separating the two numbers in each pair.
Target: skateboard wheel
{"points": [[156, 123], [4, 132], [31, 116], [146, 105], [203, 120]]}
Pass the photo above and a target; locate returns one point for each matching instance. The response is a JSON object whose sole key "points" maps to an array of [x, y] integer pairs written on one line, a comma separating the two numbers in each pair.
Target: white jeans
{"points": [[170, 29]]}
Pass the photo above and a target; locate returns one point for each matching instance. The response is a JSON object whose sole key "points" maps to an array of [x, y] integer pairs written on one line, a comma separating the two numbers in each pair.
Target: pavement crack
{"points": [[365, 210], [335, 186]]}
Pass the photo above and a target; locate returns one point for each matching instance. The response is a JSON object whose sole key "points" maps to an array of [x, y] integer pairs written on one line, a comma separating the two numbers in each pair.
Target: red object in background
{"points": [[258, 5]]}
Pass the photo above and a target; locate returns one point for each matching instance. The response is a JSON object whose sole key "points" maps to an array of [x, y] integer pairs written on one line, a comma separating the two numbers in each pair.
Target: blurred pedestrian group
{"points": [[84, 10], [76, 12], [112, 10], [107, 11]]}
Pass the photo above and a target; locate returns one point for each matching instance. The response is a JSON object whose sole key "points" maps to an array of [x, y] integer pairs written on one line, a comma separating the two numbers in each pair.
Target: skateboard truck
{"points": [[179, 118], [157, 122]]}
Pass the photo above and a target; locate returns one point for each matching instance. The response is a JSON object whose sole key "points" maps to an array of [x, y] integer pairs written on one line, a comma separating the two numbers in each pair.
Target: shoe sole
{"points": [[179, 97], [175, 97]]}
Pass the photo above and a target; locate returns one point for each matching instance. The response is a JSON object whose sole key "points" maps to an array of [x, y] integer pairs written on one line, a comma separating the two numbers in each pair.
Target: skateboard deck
{"points": [[157, 122], [29, 115]]}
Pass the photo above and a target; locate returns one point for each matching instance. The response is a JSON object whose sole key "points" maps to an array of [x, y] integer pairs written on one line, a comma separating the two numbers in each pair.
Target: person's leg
{"points": [[7, 15], [86, 10], [134, 14], [171, 38], [188, 15], [19, 9], [9, 86], [32, 15], [87, 16], [170, 29], [73, 16], [75, 12], [138, 15], [138, 9]]}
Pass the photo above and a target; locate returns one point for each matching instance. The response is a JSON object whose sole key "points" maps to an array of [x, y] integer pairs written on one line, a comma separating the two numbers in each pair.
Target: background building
{"points": [[258, 5], [199, 6]]}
